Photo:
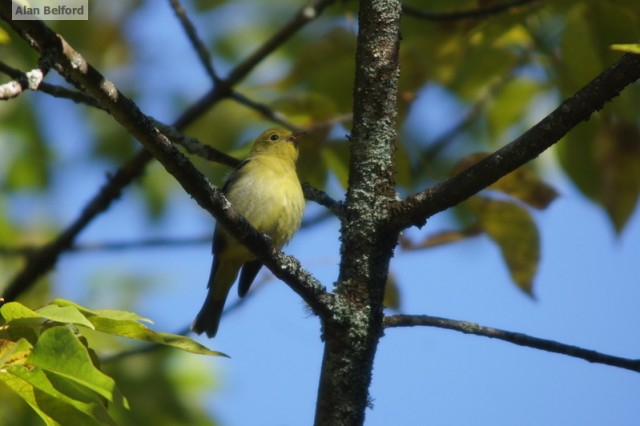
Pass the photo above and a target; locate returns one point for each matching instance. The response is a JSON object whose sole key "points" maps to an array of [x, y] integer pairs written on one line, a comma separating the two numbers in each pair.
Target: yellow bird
{"points": [[265, 189]]}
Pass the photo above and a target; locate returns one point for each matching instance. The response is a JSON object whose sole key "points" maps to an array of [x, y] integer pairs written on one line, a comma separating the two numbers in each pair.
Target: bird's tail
{"points": [[220, 282]]}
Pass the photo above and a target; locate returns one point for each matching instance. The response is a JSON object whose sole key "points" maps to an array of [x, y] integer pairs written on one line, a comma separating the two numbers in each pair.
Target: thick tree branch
{"points": [[509, 336], [352, 332], [415, 210]]}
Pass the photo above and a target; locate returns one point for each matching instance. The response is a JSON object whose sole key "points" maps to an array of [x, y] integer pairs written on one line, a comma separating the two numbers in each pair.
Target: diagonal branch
{"points": [[512, 337], [196, 42], [44, 40], [77, 71], [415, 210], [304, 15], [41, 261]]}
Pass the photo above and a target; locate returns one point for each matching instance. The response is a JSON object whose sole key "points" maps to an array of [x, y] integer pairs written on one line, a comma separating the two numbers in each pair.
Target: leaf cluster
{"points": [[45, 358]]}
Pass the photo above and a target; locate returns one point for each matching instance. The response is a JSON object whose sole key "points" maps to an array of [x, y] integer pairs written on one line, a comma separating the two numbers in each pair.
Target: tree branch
{"points": [[417, 208], [304, 15], [353, 330], [22, 81], [509, 336], [195, 40], [76, 70], [44, 40], [41, 261]]}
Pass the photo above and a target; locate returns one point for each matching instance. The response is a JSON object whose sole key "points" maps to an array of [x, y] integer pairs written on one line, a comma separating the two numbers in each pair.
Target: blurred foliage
{"points": [[46, 359], [504, 72]]}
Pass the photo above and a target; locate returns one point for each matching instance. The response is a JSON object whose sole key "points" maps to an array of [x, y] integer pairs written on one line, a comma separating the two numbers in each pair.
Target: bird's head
{"points": [[279, 142]]}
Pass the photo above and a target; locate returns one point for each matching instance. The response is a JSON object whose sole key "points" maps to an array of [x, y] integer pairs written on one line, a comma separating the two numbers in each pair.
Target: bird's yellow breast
{"points": [[268, 194]]}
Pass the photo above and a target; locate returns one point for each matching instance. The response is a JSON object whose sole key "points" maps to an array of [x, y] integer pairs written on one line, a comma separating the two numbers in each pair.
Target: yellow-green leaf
{"points": [[391, 293], [511, 227], [127, 324], [56, 399], [135, 330], [336, 156], [510, 105], [4, 37], [14, 352], [631, 48], [14, 311]]}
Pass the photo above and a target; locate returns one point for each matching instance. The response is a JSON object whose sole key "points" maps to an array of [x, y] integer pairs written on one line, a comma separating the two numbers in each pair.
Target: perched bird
{"points": [[265, 189]]}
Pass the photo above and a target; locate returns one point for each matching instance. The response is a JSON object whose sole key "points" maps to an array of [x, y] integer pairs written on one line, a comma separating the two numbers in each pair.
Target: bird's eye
{"points": [[274, 137]]}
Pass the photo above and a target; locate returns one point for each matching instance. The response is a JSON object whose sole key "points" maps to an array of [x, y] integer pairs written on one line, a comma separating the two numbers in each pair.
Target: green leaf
{"points": [[582, 61], [64, 314], [618, 158], [14, 311], [59, 351], [106, 313], [575, 154], [135, 330], [510, 105], [591, 28], [305, 108], [127, 324], [511, 227], [602, 158], [323, 65], [336, 156], [56, 399]]}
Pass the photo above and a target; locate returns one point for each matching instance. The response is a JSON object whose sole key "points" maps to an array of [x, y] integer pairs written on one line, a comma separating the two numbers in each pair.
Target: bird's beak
{"points": [[296, 136]]}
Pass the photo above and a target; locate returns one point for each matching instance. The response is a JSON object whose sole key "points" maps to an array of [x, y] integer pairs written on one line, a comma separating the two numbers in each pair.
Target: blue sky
{"points": [[587, 293]]}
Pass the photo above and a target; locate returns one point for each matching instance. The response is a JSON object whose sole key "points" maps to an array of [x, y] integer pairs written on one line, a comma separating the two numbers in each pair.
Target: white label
{"points": [[50, 10]]}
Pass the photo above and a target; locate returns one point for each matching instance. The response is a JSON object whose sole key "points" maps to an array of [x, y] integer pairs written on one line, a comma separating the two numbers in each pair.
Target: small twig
{"points": [[22, 251], [466, 14], [322, 198], [440, 238], [264, 110], [195, 147], [195, 40], [321, 125], [72, 95], [22, 81], [45, 257], [512, 337], [304, 15]]}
